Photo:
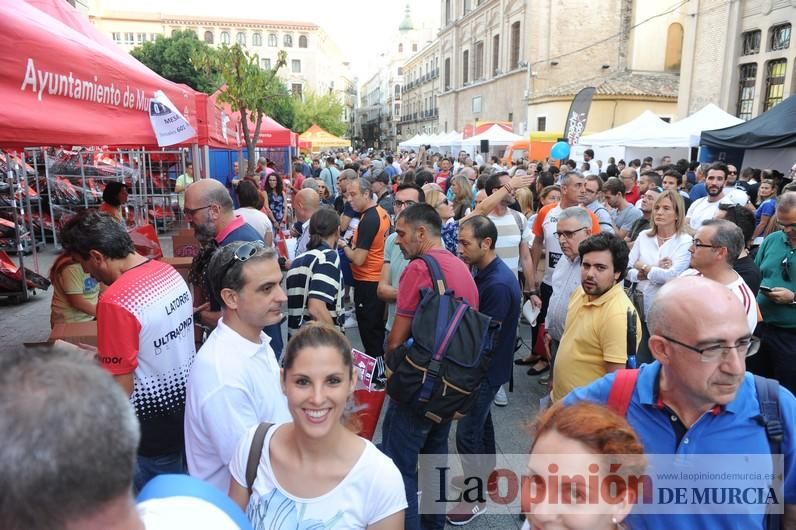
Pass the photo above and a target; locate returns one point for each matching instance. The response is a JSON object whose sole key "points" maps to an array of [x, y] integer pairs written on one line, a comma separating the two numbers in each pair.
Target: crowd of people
{"points": [[686, 271]]}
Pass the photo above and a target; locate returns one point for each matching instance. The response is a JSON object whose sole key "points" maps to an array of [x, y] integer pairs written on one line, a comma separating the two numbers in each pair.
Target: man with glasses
{"points": [[697, 398], [394, 261], [234, 382], [574, 227], [734, 193], [593, 187], [716, 246], [144, 334], [777, 261], [595, 338]]}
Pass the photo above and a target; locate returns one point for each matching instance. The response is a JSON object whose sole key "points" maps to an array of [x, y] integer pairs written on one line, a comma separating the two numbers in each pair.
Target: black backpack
{"points": [[440, 368]]}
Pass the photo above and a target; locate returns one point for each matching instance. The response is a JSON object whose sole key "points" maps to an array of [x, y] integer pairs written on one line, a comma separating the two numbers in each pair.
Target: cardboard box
{"points": [[181, 263], [185, 244], [76, 333]]}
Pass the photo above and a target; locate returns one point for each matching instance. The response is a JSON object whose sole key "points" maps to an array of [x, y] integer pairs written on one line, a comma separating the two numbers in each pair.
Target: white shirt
{"points": [[700, 210], [234, 384], [304, 238], [372, 490], [507, 246], [566, 279], [648, 251], [742, 292], [257, 219]]}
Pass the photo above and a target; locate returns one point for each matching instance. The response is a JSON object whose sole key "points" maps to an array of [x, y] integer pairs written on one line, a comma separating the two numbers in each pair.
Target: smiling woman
{"points": [[315, 470]]}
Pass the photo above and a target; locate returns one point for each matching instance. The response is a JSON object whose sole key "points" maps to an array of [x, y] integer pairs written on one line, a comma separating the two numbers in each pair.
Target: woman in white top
{"points": [[660, 253], [314, 472], [251, 201]]}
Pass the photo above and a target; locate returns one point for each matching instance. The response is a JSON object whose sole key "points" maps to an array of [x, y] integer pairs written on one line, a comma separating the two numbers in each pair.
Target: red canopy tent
{"points": [[65, 83], [219, 125]]}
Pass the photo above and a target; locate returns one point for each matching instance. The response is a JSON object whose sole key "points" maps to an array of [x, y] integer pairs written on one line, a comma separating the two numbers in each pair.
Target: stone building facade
{"points": [[421, 86], [739, 55]]}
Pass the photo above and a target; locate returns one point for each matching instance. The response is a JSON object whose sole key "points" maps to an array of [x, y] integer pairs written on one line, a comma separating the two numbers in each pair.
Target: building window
{"points": [[780, 37], [400, 70], [295, 89], [397, 91], [775, 83], [447, 12], [173, 32], [287, 40], [750, 42], [447, 74], [746, 90], [674, 48], [140, 38], [240, 38], [396, 110], [465, 6], [266, 63], [257, 39], [209, 37], [514, 60], [153, 37], [477, 105], [295, 65], [478, 61], [541, 123], [465, 67], [414, 47], [495, 55], [129, 38], [225, 37], [303, 41], [400, 47], [272, 39], [117, 37]]}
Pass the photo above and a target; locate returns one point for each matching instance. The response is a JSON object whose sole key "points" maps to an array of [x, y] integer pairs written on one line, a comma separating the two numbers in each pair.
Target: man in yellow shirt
{"points": [[595, 334], [183, 181]]}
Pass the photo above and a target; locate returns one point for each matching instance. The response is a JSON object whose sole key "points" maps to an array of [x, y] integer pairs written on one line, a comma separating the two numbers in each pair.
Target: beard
{"points": [[205, 232]]}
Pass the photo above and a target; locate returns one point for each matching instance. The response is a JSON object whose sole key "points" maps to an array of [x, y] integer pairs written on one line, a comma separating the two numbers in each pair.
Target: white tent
{"points": [[448, 142], [643, 136], [686, 132], [410, 143], [496, 135]]}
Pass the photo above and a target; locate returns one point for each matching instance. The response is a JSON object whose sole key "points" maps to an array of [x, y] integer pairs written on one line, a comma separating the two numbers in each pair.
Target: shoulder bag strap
{"points": [[768, 397], [622, 391], [255, 452]]}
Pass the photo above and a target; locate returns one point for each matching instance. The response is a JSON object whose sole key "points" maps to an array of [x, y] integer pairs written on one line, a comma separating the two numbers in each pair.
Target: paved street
{"points": [[29, 322]]}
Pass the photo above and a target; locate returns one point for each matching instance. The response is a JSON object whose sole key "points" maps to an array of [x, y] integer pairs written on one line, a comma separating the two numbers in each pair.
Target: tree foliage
{"points": [[325, 110], [247, 87], [170, 57]]}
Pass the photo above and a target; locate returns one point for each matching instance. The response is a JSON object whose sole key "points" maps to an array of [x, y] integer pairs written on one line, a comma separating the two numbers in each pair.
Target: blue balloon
{"points": [[560, 151]]}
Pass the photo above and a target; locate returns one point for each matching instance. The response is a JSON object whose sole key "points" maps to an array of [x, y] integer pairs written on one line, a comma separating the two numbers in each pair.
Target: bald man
{"points": [[306, 203], [629, 178], [697, 397]]}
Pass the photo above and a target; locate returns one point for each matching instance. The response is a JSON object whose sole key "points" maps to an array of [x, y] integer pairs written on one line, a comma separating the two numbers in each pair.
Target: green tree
{"points": [[325, 110], [248, 88], [170, 57]]}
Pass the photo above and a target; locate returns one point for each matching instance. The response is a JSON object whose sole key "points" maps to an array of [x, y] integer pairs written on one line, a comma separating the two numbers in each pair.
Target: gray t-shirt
{"points": [[623, 220]]}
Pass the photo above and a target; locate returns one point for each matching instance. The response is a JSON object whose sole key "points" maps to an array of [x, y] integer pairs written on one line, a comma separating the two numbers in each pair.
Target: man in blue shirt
{"points": [[698, 399], [499, 295]]}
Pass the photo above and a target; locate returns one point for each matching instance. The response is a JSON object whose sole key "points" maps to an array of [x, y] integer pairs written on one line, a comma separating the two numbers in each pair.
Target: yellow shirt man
{"points": [[595, 333]]}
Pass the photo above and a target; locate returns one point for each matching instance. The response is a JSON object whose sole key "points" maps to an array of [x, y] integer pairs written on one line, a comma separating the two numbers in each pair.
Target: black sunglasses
{"points": [[241, 255]]}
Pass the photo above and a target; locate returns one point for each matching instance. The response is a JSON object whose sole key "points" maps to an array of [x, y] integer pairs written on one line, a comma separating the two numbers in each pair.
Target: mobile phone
{"points": [[765, 289]]}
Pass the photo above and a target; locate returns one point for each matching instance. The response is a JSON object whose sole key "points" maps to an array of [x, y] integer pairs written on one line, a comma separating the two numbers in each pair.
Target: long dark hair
{"points": [[323, 223], [268, 188]]}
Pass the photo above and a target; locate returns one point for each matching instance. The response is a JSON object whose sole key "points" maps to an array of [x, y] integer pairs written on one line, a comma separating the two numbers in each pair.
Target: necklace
{"points": [[661, 238]]}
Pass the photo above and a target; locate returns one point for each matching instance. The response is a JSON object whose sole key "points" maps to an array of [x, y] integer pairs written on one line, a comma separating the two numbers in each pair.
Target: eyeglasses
{"points": [[745, 348], [698, 244], [241, 255], [568, 234], [190, 212], [401, 204], [732, 172]]}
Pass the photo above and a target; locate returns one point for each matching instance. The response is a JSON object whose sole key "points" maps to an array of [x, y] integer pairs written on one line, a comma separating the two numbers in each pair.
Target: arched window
{"points": [[209, 37], [272, 41], [400, 47], [288, 40], [674, 48], [303, 41], [240, 38], [225, 37], [257, 39]]}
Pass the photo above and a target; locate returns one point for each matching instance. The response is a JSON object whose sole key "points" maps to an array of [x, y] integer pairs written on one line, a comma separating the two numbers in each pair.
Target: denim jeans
{"points": [[475, 435], [405, 435], [148, 467]]}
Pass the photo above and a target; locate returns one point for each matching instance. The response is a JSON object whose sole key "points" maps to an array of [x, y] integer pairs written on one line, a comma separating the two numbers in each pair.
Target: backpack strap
{"points": [[255, 451], [768, 398], [622, 390], [437, 279]]}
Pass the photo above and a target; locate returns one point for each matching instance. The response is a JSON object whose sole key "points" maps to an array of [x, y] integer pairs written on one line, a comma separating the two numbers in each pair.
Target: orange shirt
{"points": [[371, 234]]}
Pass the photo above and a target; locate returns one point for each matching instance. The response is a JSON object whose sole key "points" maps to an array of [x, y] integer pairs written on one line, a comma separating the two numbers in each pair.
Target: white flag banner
{"points": [[169, 124]]}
